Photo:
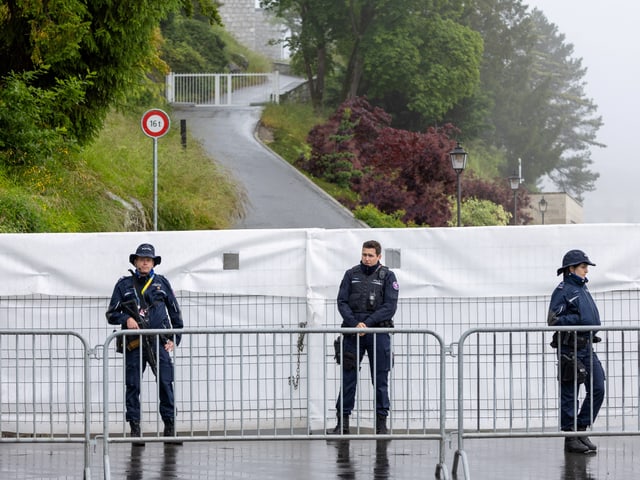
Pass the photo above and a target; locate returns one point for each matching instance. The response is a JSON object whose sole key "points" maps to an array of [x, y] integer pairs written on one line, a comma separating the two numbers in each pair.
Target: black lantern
{"points": [[514, 183], [458, 159], [542, 205]]}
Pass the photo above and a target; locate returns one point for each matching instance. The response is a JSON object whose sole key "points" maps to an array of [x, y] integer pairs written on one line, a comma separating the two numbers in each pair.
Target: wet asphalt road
{"points": [[496, 459], [278, 195]]}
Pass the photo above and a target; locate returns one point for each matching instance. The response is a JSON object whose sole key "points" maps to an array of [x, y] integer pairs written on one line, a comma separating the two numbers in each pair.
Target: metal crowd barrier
{"points": [[281, 384], [44, 388], [222, 89], [508, 386]]}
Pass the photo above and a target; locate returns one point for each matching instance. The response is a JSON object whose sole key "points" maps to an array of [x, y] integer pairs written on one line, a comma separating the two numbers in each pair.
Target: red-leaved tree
{"points": [[396, 169], [348, 134], [410, 171]]}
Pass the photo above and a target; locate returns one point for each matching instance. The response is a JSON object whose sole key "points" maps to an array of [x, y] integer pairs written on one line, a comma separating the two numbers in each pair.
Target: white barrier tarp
{"points": [[466, 263], [434, 262]]}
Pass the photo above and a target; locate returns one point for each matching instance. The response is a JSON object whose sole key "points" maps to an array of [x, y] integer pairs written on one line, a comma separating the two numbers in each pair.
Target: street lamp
{"points": [[459, 162], [514, 182], [542, 205]]}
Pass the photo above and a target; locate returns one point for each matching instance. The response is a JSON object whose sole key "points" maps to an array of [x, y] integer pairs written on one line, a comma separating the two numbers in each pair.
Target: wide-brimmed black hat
{"points": [[145, 250], [573, 258]]}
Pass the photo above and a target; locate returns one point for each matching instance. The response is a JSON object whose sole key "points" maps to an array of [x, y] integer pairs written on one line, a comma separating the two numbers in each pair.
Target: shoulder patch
{"points": [[395, 286]]}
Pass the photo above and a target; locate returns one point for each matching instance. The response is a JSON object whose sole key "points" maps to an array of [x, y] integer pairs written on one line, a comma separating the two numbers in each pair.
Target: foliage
{"points": [[420, 71], [410, 171], [486, 161], [290, 124], [502, 74], [397, 170], [408, 48], [19, 212], [373, 217], [312, 26], [531, 103], [570, 113], [192, 46], [478, 213], [75, 193], [352, 128], [241, 56], [192, 193], [206, 10], [337, 166], [105, 47], [498, 192], [32, 129]]}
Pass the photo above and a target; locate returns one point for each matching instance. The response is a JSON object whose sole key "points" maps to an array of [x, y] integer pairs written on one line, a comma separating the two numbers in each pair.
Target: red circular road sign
{"points": [[155, 123]]}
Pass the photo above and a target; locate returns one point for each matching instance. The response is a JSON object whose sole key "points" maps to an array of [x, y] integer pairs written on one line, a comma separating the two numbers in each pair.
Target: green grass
{"points": [[75, 193], [289, 124], [257, 63]]}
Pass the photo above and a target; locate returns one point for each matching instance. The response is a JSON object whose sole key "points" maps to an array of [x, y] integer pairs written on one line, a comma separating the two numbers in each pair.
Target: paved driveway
{"points": [[278, 196]]}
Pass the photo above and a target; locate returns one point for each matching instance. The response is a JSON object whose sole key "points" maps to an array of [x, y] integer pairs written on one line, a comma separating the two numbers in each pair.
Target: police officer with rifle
{"points": [[145, 300]]}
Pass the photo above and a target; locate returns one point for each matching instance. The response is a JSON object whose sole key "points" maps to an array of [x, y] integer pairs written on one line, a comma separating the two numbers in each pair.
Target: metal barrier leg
{"points": [[107, 467], [441, 472], [460, 455]]}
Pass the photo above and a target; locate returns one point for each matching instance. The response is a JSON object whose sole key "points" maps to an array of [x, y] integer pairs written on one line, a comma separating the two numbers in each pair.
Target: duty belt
{"points": [[571, 339]]}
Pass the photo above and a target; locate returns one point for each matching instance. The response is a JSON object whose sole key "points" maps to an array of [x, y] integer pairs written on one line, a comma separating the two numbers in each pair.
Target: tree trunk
{"points": [[316, 82], [353, 74]]}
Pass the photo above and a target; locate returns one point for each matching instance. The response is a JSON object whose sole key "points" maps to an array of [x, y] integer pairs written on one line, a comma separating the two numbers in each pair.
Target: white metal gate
{"points": [[222, 89]]}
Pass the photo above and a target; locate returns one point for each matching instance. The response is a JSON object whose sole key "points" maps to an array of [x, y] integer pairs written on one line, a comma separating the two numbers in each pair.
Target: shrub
{"points": [[373, 217]]}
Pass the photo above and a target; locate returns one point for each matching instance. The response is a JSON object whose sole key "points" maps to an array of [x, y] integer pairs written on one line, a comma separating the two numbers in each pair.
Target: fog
{"points": [[603, 35]]}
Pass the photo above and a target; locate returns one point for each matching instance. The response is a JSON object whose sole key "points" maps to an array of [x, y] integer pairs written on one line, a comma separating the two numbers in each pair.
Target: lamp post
{"points": [[458, 159], [542, 205], [514, 182]]}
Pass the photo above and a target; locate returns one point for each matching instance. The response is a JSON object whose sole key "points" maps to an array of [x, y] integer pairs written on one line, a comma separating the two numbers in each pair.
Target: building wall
{"points": [[252, 27], [561, 209]]}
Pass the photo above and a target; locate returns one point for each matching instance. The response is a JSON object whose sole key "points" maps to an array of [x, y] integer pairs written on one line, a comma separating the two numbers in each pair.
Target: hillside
{"points": [[108, 186]]}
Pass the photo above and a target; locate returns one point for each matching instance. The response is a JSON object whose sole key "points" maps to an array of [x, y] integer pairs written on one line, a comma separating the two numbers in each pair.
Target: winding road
{"points": [[278, 196]]}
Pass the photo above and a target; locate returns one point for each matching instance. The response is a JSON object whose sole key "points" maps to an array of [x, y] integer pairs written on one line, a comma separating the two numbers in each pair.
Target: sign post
{"points": [[155, 124]]}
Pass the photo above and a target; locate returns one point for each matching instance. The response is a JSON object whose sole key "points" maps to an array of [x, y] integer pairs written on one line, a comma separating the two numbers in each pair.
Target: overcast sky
{"points": [[604, 35]]}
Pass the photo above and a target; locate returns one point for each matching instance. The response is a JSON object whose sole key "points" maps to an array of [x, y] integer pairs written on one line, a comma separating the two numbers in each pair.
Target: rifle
{"points": [[130, 307]]}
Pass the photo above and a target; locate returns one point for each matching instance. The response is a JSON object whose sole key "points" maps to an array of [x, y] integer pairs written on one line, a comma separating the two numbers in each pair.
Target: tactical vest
{"points": [[367, 291]]}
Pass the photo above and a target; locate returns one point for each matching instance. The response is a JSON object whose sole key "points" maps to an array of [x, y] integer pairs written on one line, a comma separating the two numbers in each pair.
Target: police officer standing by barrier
{"points": [[145, 299], [572, 305], [368, 298]]}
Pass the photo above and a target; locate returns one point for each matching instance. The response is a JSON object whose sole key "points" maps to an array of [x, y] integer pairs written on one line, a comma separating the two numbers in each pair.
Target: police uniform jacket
{"points": [[371, 299], [572, 305], [158, 303]]}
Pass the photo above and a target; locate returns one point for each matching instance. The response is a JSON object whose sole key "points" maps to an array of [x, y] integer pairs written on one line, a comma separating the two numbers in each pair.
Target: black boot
{"points": [[574, 445], [584, 439], [342, 427], [381, 424], [136, 432], [170, 431]]}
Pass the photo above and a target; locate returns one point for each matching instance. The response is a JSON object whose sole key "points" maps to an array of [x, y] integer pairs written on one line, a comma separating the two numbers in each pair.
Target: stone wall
{"points": [[253, 27], [561, 209]]}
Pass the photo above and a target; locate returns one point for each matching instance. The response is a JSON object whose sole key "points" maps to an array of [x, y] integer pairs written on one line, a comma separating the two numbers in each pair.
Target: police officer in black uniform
{"points": [[146, 297], [368, 298], [572, 305]]}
